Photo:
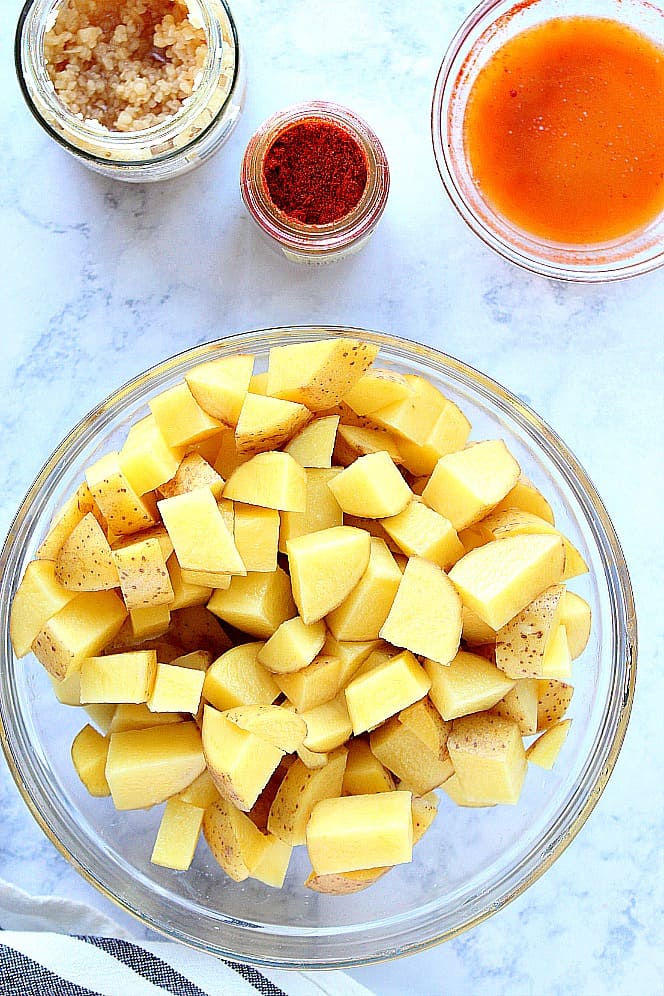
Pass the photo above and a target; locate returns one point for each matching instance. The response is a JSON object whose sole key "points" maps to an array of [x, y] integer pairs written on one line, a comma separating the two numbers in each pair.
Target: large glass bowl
{"points": [[486, 29], [472, 861]]}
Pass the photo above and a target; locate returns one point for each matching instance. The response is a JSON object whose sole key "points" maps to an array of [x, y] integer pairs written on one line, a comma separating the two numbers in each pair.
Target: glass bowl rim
{"points": [[616, 577], [483, 15]]}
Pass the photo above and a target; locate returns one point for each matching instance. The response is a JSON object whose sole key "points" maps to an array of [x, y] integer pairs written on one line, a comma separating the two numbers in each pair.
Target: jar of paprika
{"points": [[315, 179]]}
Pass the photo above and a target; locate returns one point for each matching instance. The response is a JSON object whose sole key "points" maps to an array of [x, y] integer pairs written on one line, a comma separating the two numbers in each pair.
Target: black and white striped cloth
{"points": [[42, 962]]}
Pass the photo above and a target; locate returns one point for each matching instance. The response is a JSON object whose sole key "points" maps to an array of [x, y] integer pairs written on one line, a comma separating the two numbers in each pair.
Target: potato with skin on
{"points": [[364, 772], [85, 559], [321, 511], [299, 791], [282, 728], [238, 678], [515, 522], [313, 445], [354, 441], [469, 683], [239, 761], [89, 751], [318, 374], [235, 841], [372, 487], [520, 704], [123, 677], [193, 627], [418, 531], [201, 538], [489, 758], [180, 418], [324, 568], [360, 831], [267, 423], [147, 766], [220, 386], [376, 389], [363, 612], [145, 458], [256, 604], [499, 579], [553, 699], [425, 616], [522, 643], [465, 485], [293, 646], [576, 617], [143, 576], [123, 510], [66, 518], [545, 750], [81, 628], [192, 472], [38, 597], [178, 834], [256, 536], [375, 695], [272, 480]]}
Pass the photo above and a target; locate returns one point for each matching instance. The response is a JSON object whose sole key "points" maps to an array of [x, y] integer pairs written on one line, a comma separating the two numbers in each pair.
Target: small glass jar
{"points": [[315, 243], [176, 145]]}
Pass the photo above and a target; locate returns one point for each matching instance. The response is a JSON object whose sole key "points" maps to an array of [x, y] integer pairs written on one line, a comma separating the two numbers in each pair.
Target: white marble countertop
{"points": [[100, 280]]}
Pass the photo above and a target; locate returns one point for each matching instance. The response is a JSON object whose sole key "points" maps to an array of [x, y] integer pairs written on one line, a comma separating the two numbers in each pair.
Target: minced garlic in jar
{"points": [[127, 64]]}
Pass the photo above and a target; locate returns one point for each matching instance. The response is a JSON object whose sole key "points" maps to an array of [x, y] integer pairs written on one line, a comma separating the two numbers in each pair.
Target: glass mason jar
{"points": [[315, 243], [176, 145]]}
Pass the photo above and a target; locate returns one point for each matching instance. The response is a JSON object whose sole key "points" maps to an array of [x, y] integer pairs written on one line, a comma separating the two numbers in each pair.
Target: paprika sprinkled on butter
{"points": [[315, 171]]}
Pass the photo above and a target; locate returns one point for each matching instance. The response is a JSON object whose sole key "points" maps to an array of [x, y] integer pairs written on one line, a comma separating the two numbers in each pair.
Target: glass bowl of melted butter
{"points": [[548, 133]]}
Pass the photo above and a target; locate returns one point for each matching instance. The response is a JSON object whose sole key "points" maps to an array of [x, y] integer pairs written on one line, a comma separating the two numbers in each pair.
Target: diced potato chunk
{"points": [[465, 485], [325, 567], [220, 386], [178, 835], [489, 757], [469, 683], [146, 459], [147, 766], [299, 792], [193, 472], [553, 699], [200, 536], [176, 689], [257, 604], [272, 480], [280, 727], [180, 418], [89, 751], [85, 559], [123, 509], [267, 423], [257, 536], [38, 597], [364, 772], [235, 841], [375, 695], [576, 618], [420, 532], [318, 374], [81, 628], [520, 704], [313, 445], [360, 831], [419, 764], [143, 575], [372, 487], [544, 751], [526, 496], [522, 643], [239, 761], [238, 678], [426, 613], [293, 646], [313, 685], [321, 511], [124, 677], [363, 612]]}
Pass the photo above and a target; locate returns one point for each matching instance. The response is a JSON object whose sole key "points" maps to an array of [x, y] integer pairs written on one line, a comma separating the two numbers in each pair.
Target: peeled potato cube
{"points": [[425, 616], [185, 593], [514, 522], [178, 835], [474, 631], [38, 597], [364, 773], [313, 685], [453, 789], [448, 434], [557, 661], [176, 689], [375, 389], [89, 751], [273, 863], [325, 567], [281, 727], [328, 726], [200, 536], [145, 767], [526, 496], [256, 536], [272, 480], [576, 618], [201, 793], [137, 716], [469, 683], [180, 418], [414, 416], [544, 751], [146, 459], [372, 487], [375, 695], [299, 791], [318, 374], [465, 485], [499, 579], [363, 612], [360, 831], [239, 761], [488, 756], [220, 386], [80, 629], [420, 532], [313, 445], [418, 765], [354, 441], [124, 677], [292, 646], [238, 678], [257, 604], [321, 510]]}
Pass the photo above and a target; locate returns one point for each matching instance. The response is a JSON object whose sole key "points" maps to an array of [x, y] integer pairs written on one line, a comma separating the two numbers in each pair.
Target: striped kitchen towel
{"points": [[38, 961]]}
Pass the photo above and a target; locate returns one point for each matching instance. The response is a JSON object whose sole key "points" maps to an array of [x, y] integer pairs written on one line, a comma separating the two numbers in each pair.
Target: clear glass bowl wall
{"points": [[472, 861]]}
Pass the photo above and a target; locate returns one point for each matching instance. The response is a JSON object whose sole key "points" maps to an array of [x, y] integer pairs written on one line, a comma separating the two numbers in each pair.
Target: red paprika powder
{"points": [[315, 171]]}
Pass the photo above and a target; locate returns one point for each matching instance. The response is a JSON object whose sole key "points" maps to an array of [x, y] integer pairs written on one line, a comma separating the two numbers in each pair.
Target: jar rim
{"points": [[164, 133]]}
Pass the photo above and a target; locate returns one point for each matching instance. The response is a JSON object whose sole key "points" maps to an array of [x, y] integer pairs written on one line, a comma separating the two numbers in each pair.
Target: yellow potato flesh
{"points": [[425, 616], [360, 831], [147, 766], [178, 835], [325, 567]]}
